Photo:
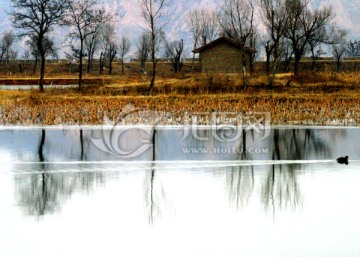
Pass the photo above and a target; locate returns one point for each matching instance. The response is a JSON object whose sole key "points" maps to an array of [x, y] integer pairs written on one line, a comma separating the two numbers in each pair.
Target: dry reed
{"points": [[310, 99]]}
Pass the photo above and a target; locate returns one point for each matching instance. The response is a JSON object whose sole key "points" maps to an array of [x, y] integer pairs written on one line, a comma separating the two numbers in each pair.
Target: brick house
{"points": [[224, 55]]}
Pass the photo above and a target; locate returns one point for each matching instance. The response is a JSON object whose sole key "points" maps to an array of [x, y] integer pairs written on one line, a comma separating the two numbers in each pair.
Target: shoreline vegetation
{"points": [[322, 98]]}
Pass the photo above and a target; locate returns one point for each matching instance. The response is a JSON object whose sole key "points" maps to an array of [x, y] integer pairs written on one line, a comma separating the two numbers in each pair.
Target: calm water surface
{"points": [[172, 192]]}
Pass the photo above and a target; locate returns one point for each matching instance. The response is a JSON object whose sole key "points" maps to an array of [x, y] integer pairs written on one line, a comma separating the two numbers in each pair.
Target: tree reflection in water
{"points": [[154, 192], [281, 189], [43, 192], [240, 185], [240, 180], [81, 145]]}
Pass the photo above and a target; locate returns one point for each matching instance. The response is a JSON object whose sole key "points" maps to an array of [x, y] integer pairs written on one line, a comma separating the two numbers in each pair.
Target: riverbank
{"points": [[190, 99]]}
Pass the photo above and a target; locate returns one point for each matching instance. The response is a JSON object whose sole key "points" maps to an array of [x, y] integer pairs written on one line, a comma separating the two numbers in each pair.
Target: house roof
{"points": [[222, 40]]}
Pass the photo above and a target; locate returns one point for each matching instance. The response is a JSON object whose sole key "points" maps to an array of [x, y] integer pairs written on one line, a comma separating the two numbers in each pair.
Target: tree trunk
{"points": [[268, 51], [153, 53], [122, 66], [277, 60], [42, 73], [287, 62], [143, 66], [152, 83], [35, 65], [295, 67], [243, 70], [313, 60], [110, 63], [81, 64], [267, 64], [42, 56], [89, 64], [153, 59], [101, 63], [296, 63]]}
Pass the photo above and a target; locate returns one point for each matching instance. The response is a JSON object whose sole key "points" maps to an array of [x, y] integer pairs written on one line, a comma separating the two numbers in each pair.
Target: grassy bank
{"points": [[309, 99]]}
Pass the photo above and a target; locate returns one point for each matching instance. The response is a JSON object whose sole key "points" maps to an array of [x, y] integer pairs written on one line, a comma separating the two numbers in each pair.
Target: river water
{"points": [[145, 191]]}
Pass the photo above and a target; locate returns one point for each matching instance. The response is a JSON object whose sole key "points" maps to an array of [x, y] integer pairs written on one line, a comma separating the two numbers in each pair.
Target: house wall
{"points": [[223, 58]]}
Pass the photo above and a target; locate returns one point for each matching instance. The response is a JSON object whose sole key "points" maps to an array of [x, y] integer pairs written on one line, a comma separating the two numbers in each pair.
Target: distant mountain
{"points": [[347, 13], [131, 24]]}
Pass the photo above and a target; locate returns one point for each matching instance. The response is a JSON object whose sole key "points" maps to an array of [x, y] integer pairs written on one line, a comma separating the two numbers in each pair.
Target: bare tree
{"points": [[34, 52], [112, 54], [202, 24], [154, 12], [124, 48], [74, 54], [210, 25], [37, 18], [91, 44], [175, 52], [314, 54], [353, 49], [13, 55], [85, 18], [144, 48], [195, 26], [102, 59], [6, 42], [323, 35], [339, 48], [287, 53], [108, 38], [339, 51], [274, 17], [305, 25], [236, 19]]}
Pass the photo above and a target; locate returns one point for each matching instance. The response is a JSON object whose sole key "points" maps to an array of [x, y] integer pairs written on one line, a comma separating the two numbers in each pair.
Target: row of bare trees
{"points": [[37, 19], [6, 47], [85, 19], [293, 29], [293, 24], [103, 43], [88, 22]]}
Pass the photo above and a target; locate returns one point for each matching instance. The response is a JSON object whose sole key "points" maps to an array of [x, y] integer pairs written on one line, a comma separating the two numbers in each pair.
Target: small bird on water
{"points": [[343, 160]]}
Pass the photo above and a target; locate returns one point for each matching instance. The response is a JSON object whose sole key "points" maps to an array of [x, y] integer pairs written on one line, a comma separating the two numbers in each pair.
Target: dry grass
{"points": [[320, 99]]}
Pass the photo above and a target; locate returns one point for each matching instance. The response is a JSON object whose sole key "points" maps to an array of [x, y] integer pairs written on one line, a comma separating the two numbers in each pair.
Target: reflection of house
{"points": [[224, 55]]}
